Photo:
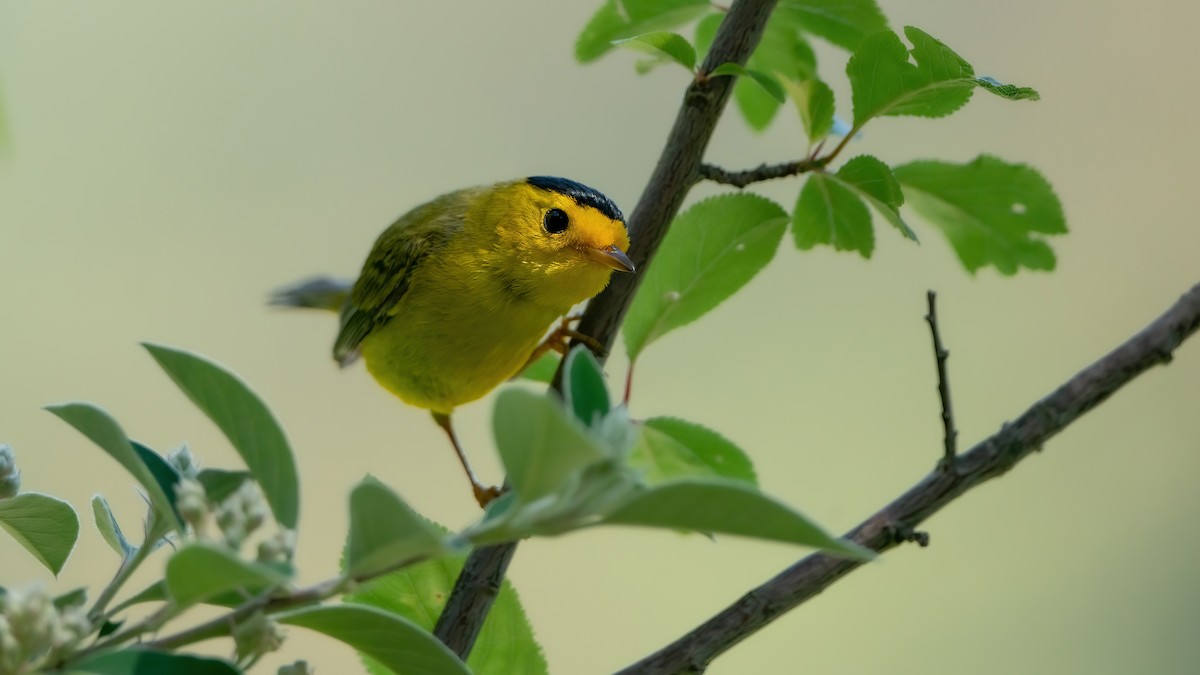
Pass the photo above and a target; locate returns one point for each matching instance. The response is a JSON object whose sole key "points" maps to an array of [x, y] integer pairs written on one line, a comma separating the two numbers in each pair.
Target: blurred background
{"points": [[171, 163]]}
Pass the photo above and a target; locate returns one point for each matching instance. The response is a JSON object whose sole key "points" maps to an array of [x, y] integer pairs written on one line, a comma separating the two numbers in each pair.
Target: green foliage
{"points": [[241, 415], [219, 484], [202, 571], [669, 448], [727, 507], [104, 431], [845, 23], [110, 531], [418, 593], [672, 46], [384, 531], [831, 208], [769, 85], [144, 661], [992, 211], [622, 19], [392, 640], [712, 250], [814, 102], [45, 526], [940, 81], [543, 369], [586, 394]]}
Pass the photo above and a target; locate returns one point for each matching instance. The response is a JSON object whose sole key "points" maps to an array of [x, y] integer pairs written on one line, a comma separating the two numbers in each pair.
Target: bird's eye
{"points": [[556, 221]]}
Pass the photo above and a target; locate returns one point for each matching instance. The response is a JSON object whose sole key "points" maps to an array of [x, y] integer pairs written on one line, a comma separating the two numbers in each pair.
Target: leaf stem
{"points": [[128, 566]]}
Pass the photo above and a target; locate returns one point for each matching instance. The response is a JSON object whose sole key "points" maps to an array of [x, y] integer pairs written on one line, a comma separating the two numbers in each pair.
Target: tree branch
{"points": [[673, 177], [763, 172], [896, 522], [940, 355]]}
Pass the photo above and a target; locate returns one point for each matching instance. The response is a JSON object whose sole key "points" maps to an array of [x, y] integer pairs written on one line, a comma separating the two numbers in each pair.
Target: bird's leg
{"points": [[483, 493], [559, 337]]}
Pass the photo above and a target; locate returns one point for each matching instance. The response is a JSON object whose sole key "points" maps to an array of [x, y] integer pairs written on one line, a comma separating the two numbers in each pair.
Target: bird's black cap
{"points": [[582, 194]]}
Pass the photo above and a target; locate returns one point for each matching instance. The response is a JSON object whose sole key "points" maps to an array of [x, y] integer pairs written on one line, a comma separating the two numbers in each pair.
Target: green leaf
{"points": [[73, 598], [220, 484], [727, 507], [885, 82], [872, 180], [617, 20], [992, 211], [669, 448], [392, 640], [539, 444], [828, 212], [769, 84], [110, 531], [845, 23], [140, 661], [784, 52], [671, 45], [584, 389], [246, 422], [164, 473], [46, 526], [104, 431], [543, 369], [506, 643], [385, 531], [202, 571], [814, 102], [711, 250], [157, 592]]}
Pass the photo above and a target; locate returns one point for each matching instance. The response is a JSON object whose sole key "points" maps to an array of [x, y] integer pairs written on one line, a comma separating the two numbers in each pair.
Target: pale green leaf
{"points": [[506, 643], [392, 640], [245, 420], [109, 530], [663, 44], [993, 212], [814, 102], [727, 507], [844, 23], [202, 571], [669, 448], [874, 182], [539, 444], [45, 526], [711, 250], [584, 387], [385, 531], [828, 212], [142, 661], [104, 431], [621, 19]]}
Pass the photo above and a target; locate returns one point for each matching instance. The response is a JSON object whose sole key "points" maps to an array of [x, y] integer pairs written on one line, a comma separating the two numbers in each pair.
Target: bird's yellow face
{"points": [[559, 241]]}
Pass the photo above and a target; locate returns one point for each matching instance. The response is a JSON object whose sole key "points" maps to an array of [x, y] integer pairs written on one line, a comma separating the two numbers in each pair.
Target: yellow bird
{"points": [[457, 294]]}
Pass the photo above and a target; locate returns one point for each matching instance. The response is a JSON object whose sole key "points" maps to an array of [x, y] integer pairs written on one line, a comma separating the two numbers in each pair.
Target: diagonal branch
{"points": [[941, 354], [763, 172], [895, 522], [673, 177]]}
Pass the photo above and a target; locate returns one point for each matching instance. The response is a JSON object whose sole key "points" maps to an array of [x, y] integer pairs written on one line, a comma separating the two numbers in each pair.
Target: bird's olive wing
{"points": [[389, 269]]}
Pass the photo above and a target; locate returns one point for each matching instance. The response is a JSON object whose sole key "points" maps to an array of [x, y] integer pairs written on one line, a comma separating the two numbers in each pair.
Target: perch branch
{"points": [[940, 355], [763, 172], [897, 521], [673, 176]]}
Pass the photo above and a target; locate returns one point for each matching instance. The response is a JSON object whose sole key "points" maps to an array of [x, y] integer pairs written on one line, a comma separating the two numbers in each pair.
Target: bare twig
{"points": [[988, 459], [940, 354], [673, 176], [763, 172]]}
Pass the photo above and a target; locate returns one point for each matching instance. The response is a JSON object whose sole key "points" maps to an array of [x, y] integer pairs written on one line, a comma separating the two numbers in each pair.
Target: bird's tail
{"points": [[314, 293]]}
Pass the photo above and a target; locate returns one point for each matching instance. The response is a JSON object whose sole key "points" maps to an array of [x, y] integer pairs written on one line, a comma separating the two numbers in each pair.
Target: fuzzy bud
{"points": [[256, 636], [278, 547], [181, 458], [192, 503], [10, 475]]}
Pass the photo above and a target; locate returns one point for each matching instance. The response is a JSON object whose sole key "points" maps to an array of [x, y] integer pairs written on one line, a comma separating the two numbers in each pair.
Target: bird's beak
{"points": [[610, 256]]}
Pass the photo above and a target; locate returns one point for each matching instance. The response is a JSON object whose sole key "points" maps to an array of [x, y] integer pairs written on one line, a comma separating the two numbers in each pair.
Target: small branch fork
{"points": [[897, 522], [764, 172], [941, 354]]}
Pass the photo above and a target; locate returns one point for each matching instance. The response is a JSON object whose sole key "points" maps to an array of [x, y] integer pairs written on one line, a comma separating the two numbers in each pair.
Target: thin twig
{"points": [[990, 458], [763, 172], [950, 433], [673, 177]]}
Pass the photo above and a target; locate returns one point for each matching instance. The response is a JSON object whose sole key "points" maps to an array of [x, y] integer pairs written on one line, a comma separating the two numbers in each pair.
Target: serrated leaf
{"points": [[245, 420], [103, 430], [141, 661], [385, 531], [711, 250], [45, 526], [769, 84], [543, 369], [784, 52], [584, 387], [621, 19], [202, 571], [506, 643], [828, 212], [392, 640], [539, 444], [662, 43], [110, 531], [885, 82], [727, 507], [992, 211], [220, 484], [814, 102], [668, 448], [874, 182], [844, 23]]}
